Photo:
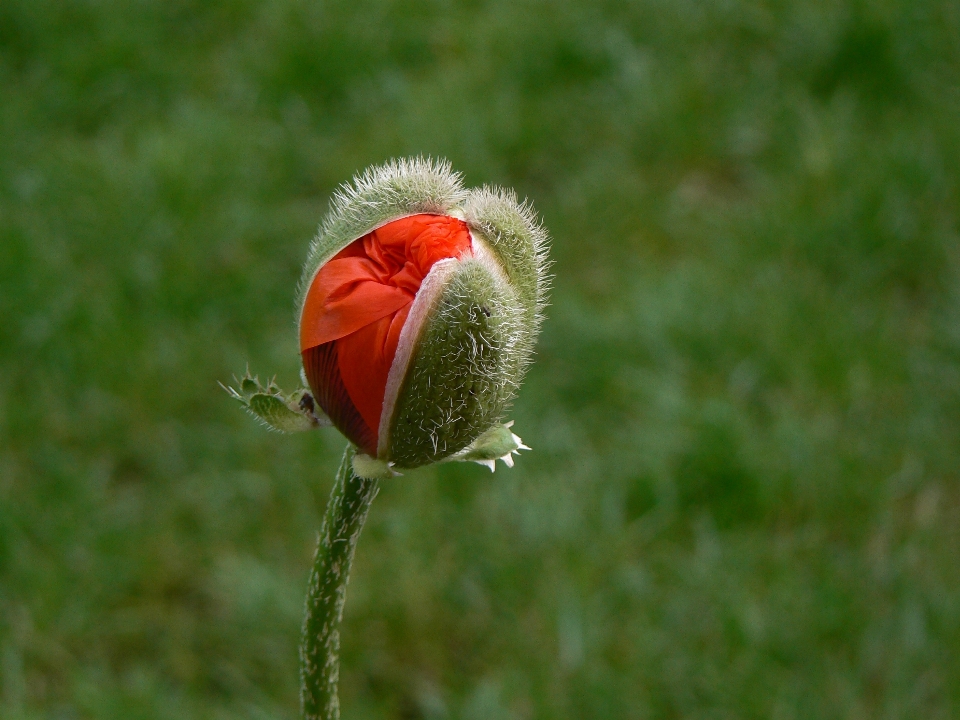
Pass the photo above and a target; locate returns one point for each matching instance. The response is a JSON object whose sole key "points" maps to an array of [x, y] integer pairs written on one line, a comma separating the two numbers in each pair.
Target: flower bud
{"points": [[418, 311]]}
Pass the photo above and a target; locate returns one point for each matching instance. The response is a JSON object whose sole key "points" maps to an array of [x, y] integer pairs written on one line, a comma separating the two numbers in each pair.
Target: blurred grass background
{"points": [[743, 497]]}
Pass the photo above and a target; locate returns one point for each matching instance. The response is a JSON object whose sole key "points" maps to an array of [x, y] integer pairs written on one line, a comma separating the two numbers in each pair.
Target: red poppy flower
{"points": [[355, 310]]}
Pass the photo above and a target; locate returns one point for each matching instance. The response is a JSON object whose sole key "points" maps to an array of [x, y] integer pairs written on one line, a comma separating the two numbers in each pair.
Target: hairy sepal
{"points": [[462, 374], [516, 237]]}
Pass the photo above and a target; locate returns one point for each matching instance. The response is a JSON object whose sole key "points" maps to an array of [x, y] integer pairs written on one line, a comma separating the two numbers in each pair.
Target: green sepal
{"points": [[512, 231], [461, 377], [283, 412]]}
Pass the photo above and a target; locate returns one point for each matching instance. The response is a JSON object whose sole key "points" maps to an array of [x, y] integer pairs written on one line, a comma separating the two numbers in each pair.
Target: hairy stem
{"points": [[320, 644]]}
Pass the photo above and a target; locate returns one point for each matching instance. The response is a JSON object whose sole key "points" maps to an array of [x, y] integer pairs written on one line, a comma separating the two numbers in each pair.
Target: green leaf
{"points": [[286, 413]]}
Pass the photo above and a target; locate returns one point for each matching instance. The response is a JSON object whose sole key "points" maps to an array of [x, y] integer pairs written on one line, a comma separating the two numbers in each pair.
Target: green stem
{"points": [[320, 643]]}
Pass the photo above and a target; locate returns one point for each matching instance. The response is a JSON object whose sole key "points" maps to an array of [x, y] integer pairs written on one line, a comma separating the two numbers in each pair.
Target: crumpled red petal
{"points": [[355, 310]]}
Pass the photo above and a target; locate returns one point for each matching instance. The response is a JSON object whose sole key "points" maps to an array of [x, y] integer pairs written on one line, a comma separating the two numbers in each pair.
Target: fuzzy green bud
{"points": [[418, 310]]}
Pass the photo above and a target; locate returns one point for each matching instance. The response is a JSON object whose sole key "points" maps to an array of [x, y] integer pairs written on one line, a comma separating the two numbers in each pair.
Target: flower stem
{"points": [[320, 642]]}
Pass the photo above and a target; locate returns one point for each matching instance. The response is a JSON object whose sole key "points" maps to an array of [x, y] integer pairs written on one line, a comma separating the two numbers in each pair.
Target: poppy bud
{"points": [[418, 310]]}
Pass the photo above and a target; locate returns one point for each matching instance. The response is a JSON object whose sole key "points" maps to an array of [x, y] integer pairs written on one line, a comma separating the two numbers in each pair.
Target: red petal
{"points": [[365, 360], [320, 364], [346, 295]]}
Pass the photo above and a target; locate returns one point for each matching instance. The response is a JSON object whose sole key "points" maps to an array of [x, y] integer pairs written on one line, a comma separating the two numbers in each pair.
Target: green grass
{"points": [[743, 496]]}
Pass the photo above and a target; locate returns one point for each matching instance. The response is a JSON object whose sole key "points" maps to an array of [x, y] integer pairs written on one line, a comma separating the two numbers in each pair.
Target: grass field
{"points": [[744, 496]]}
